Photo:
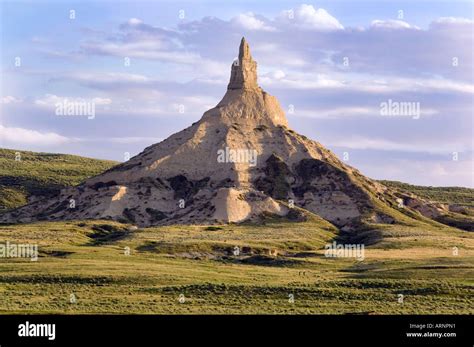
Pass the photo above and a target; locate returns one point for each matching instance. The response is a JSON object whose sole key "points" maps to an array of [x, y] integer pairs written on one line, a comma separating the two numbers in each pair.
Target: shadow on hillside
{"points": [[105, 234], [367, 236]]}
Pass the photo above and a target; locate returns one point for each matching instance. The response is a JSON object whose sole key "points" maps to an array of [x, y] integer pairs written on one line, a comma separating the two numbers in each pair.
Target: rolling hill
{"points": [[34, 175]]}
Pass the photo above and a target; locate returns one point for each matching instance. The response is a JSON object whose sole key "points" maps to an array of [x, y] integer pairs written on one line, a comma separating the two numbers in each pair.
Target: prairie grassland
{"points": [[195, 270]]}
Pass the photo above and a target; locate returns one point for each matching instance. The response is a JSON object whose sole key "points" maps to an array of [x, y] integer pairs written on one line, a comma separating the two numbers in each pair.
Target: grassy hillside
{"points": [[447, 195], [459, 196], [194, 270], [42, 174]]}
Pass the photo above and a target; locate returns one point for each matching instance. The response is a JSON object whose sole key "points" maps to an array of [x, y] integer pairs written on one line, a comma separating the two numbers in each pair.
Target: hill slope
{"points": [[42, 174], [458, 202], [445, 195]]}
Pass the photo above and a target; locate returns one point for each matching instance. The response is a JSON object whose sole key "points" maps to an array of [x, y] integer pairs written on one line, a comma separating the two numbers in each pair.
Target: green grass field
{"points": [[23, 174], [193, 270]]}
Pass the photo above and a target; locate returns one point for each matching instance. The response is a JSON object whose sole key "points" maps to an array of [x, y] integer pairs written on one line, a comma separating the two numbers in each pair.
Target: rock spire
{"points": [[244, 69]]}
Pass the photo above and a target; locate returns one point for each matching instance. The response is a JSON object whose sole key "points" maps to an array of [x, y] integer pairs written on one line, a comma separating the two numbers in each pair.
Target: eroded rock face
{"points": [[181, 180], [277, 178]]}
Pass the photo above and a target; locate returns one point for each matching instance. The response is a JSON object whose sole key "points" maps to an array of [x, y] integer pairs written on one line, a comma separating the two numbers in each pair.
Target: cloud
{"points": [[374, 84], [144, 103], [9, 100], [336, 112], [104, 80], [354, 112], [50, 100], [134, 22], [301, 37], [391, 24], [137, 40], [11, 136], [249, 21], [422, 172], [318, 81], [144, 49], [359, 142], [452, 20], [274, 75], [124, 139], [306, 17]]}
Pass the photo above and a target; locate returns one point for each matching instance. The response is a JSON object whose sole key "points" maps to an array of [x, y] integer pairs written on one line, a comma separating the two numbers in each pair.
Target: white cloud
{"points": [[134, 21], [275, 75], [11, 136], [111, 77], [395, 85], [105, 80], [101, 101], [453, 20], [436, 173], [250, 22], [337, 112], [50, 100], [374, 143], [364, 83], [144, 49], [147, 103], [356, 112], [307, 17], [9, 100], [297, 81], [124, 139], [391, 24]]}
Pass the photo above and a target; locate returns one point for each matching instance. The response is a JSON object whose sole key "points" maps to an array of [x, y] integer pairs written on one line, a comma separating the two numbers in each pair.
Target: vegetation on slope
{"points": [[446, 195], [24, 174], [460, 200]]}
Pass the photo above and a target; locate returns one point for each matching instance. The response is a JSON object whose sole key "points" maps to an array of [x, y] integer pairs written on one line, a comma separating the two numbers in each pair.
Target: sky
{"points": [[388, 86]]}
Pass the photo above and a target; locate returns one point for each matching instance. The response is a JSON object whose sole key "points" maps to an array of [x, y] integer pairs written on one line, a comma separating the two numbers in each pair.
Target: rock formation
{"points": [[238, 162]]}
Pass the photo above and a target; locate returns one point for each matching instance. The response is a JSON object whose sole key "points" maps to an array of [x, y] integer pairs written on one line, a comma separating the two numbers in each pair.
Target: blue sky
{"points": [[330, 63]]}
